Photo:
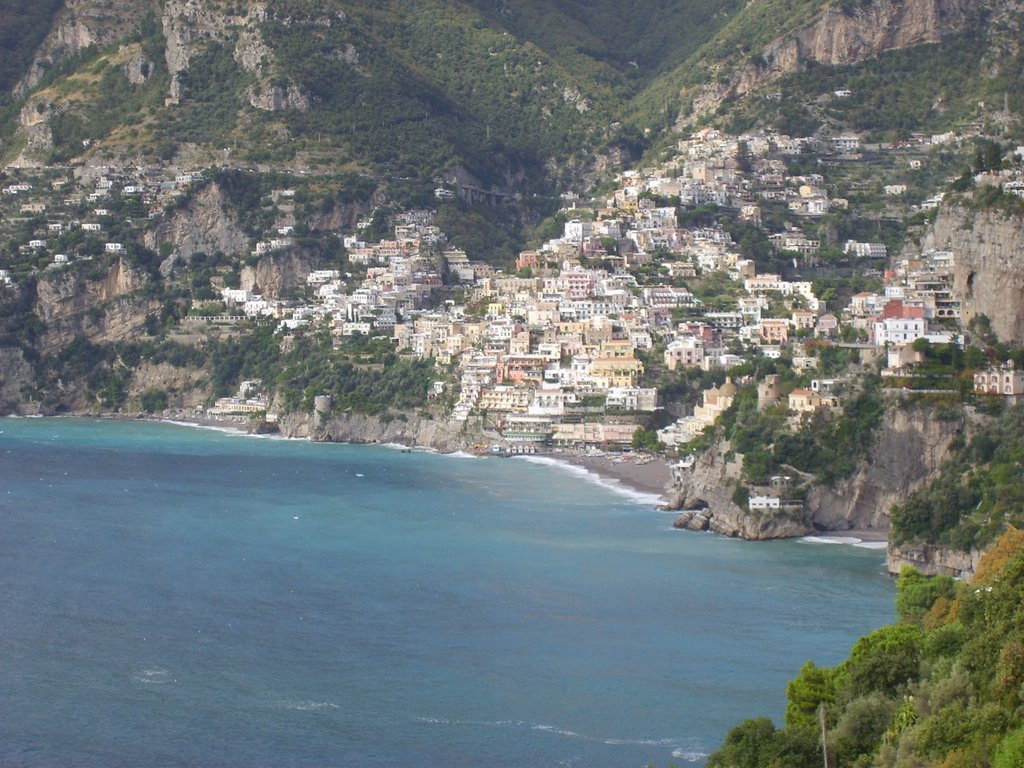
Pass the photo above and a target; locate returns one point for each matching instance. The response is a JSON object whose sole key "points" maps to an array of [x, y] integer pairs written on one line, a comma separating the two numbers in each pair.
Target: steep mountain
{"points": [[490, 90], [900, 65], [501, 95]]}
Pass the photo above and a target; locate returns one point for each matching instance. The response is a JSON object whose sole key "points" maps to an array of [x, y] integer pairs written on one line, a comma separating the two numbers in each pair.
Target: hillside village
{"points": [[567, 349]]}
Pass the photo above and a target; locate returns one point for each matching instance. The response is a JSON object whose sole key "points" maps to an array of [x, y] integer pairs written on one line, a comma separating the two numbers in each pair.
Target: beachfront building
{"points": [[715, 401]]}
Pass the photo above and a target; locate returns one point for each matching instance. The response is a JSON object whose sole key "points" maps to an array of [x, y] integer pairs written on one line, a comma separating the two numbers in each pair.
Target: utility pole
{"points": [[824, 733]]}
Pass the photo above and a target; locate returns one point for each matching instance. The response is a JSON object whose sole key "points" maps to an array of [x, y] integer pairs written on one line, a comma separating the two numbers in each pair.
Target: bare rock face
{"points": [[988, 277], [270, 97], [840, 38], [704, 491], [205, 224], [933, 561], [911, 447], [34, 125], [109, 307], [186, 25], [359, 428], [15, 374], [187, 387], [190, 24], [277, 273], [138, 69], [342, 216], [82, 23]]}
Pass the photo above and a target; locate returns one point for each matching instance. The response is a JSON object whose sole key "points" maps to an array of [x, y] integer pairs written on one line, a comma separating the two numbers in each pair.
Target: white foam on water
{"points": [[831, 540], [678, 751], [311, 706], [872, 545], [849, 541], [690, 756], [209, 427], [609, 483], [461, 455], [153, 676]]}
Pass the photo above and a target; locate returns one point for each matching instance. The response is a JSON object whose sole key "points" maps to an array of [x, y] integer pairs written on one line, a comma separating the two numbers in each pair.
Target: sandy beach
{"points": [[651, 476]]}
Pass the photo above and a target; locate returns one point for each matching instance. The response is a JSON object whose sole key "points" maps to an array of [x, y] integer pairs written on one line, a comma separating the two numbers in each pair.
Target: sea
{"points": [[176, 596]]}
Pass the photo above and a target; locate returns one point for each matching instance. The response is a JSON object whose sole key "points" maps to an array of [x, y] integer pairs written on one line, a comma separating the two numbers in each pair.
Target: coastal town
{"points": [[664, 273]]}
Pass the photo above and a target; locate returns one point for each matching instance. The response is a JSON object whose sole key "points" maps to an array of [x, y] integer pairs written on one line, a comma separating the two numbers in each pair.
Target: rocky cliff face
{"points": [[189, 24], [933, 561], [988, 248], [841, 37], [358, 428], [276, 274], [15, 375], [705, 492], [107, 307], [206, 224], [82, 23], [910, 447]]}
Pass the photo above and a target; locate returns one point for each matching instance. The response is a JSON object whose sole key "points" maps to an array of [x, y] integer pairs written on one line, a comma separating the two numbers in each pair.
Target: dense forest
{"points": [[944, 687]]}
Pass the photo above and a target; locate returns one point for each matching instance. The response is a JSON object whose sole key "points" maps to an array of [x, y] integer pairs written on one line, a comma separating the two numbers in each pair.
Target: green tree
{"points": [[806, 692], [884, 660], [916, 593]]}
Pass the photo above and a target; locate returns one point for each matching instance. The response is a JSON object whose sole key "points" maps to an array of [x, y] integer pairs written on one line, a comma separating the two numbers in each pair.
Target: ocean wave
{"points": [[461, 455], [850, 541], [689, 755], [609, 483], [674, 744], [311, 706], [872, 545], [153, 676], [208, 427]]}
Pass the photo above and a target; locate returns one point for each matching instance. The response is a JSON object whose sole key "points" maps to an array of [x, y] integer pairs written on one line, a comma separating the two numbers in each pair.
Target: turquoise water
{"points": [[175, 596]]}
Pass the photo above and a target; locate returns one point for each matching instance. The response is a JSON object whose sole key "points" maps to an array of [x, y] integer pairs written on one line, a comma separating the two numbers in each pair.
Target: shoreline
{"points": [[640, 473], [649, 475], [644, 478]]}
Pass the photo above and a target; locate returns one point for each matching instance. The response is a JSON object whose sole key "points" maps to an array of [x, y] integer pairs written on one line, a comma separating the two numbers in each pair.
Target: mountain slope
{"points": [[497, 90], [769, 40]]}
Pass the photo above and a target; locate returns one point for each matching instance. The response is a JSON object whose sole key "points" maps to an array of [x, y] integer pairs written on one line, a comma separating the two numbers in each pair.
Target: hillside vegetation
{"points": [[521, 95], [943, 688]]}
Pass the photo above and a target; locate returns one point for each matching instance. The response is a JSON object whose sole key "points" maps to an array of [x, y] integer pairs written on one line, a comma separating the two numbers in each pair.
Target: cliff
{"points": [[841, 36], [988, 278], [705, 492], [276, 274], [102, 304], [409, 430], [933, 560], [80, 24], [205, 224], [910, 446], [15, 376]]}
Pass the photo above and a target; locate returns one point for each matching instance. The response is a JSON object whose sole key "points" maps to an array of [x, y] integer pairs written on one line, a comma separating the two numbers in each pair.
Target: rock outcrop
{"points": [[842, 37], [206, 224], [932, 560], [81, 23], [911, 445], [410, 430], [988, 278], [277, 273], [15, 375], [109, 306], [705, 490], [190, 24]]}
